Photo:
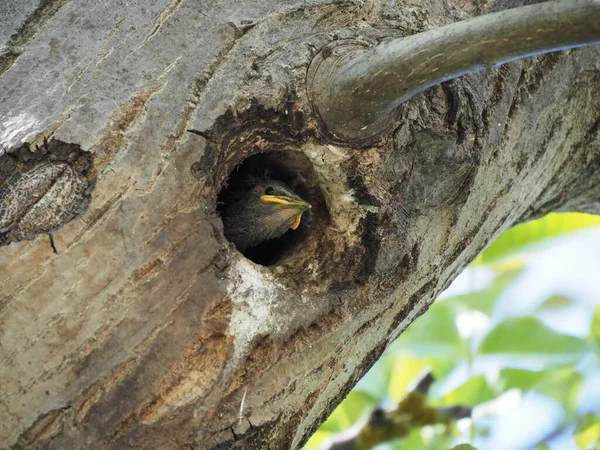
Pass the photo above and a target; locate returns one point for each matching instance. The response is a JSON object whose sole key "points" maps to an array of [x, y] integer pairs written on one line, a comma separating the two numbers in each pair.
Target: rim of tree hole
{"points": [[293, 169]]}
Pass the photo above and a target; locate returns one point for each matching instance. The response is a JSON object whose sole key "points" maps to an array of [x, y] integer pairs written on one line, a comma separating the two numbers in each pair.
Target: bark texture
{"points": [[372, 82], [147, 329]]}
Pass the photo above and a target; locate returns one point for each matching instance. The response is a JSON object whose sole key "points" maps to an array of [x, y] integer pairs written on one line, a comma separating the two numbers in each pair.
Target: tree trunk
{"points": [[147, 328]]}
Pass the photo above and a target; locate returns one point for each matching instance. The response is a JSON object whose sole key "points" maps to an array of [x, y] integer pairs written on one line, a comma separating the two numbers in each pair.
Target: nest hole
{"points": [[293, 169]]}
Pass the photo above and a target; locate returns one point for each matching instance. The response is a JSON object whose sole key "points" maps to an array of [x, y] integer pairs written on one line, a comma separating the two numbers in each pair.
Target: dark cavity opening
{"points": [[293, 169]]}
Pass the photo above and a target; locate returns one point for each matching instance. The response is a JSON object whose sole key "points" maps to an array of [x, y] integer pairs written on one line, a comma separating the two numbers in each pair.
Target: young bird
{"points": [[266, 211]]}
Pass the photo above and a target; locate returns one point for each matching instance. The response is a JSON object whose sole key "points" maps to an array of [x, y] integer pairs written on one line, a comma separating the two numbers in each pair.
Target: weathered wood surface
{"points": [[147, 328]]}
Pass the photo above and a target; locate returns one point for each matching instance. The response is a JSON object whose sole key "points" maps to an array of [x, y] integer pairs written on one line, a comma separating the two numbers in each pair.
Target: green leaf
{"points": [[473, 392], [556, 301], [562, 384], [354, 407], [485, 299], [525, 338], [437, 437], [434, 334], [521, 236], [404, 372], [375, 382], [519, 379], [463, 447], [317, 439], [412, 441], [595, 330], [588, 433]]}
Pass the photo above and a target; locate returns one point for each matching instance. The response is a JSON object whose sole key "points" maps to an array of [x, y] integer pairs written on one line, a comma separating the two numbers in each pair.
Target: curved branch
{"points": [[354, 89], [386, 425]]}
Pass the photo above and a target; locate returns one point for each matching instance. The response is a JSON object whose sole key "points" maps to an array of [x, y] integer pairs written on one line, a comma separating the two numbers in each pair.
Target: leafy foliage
{"points": [[521, 345], [524, 235]]}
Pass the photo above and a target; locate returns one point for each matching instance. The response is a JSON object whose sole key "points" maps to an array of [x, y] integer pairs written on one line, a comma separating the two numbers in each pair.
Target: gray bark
{"points": [[147, 328], [355, 87]]}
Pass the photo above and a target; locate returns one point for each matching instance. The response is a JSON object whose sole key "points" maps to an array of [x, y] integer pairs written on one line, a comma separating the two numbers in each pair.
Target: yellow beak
{"points": [[287, 202]]}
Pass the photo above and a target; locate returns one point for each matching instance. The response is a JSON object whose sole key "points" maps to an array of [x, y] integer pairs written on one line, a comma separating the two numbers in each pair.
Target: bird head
{"points": [[267, 211]]}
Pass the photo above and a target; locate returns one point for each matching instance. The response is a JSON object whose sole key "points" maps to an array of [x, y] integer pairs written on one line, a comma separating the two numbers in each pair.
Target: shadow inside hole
{"points": [[294, 170]]}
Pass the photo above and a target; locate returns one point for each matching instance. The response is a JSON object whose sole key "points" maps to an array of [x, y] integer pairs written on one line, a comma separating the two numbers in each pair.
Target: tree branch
{"points": [[385, 425], [354, 90]]}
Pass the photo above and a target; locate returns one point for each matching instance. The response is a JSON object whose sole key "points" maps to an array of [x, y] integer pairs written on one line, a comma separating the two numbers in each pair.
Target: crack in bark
{"points": [[95, 217], [29, 28], [531, 80], [180, 129], [113, 137], [46, 427], [170, 9], [94, 393]]}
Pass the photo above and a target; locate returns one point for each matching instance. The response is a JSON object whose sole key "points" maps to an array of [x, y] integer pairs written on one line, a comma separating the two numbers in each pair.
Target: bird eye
{"points": [[269, 190]]}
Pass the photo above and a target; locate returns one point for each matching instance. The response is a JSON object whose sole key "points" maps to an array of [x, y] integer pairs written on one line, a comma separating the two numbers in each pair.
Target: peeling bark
{"points": [[147, 328]]}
